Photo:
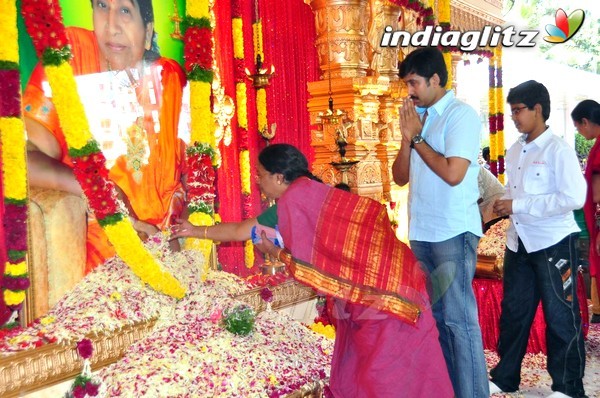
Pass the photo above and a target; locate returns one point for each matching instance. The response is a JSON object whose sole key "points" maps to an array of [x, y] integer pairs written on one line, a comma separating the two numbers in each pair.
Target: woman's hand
{"points": [[267, 247], [144, 229], [185, 229]]}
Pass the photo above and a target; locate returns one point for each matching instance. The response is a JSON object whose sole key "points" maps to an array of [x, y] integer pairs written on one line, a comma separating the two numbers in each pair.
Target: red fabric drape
{"points": [[489, 292], [288, 44]]}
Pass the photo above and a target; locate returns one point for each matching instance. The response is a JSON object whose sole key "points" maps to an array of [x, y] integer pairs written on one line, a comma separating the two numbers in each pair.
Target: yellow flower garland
{"points": [[12, 136], [444, 20], [444, 10], [242, 104], [448, 62], [245, 171], [241, 96], [16, 269], [261, 109], [238, 38], [14, 168], [202, 122], [13, 298], [123, 237], [499, 110], [9, 52], [198, 8], [65, 97]]}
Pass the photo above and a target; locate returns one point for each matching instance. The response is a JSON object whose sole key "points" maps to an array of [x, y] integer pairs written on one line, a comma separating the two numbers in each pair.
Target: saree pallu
{"points": [[343, 245]]}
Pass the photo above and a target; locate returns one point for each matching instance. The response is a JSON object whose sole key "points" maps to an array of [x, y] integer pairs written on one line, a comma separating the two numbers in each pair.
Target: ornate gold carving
{"points": [[344, 23], [53, 363], [382, 60], [474, 15]]}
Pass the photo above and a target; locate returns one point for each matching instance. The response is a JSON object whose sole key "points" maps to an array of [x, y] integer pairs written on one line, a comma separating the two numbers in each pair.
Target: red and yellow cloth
{"points": [[343, 245]]}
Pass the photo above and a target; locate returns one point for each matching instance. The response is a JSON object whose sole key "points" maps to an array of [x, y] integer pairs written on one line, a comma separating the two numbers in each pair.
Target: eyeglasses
{"points": [[515, 112]]}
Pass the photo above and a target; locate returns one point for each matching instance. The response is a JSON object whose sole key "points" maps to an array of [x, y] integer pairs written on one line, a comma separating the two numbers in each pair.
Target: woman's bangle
{"points": [[284, 256], [205, 231]]}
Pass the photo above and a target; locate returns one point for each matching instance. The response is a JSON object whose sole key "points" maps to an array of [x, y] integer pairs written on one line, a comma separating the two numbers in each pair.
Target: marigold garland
{"points": [[261, 109], [14, 171], [425, 14], [242, 118], [43, 19], [202, 155], [496, 115], [499, 113], [444, 21]]}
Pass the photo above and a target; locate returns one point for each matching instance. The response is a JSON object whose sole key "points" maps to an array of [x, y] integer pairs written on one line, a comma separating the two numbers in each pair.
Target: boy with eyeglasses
{"points": [[544, 186]]}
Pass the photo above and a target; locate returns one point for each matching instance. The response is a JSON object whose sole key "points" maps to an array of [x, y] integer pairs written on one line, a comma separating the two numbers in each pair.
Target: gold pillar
{"points": [[342, 45], [369, 97], [383, 60]]}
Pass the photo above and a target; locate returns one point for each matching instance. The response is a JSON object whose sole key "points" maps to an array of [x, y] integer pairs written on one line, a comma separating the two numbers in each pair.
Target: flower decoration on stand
{"points": [[202, 155], [496, 115], [239, 320], [241, 97], [43, 20], [14, 170], [322, 323], [84, 386], [267, 295]]}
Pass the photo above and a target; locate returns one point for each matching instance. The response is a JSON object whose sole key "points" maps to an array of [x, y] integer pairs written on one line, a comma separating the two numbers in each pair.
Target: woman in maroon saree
{"points": [[342, 245]]}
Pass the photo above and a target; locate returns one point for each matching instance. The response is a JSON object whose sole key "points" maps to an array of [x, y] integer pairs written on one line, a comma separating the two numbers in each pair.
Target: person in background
{"points": [[439, 157], [485, 154], [545, 185], [151, 187], [490, 189], [586, 117], [343, 186], [342, 245]]}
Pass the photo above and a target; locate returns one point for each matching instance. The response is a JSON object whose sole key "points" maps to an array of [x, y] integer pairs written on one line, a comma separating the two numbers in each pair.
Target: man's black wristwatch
{"points": [[417, 139]]}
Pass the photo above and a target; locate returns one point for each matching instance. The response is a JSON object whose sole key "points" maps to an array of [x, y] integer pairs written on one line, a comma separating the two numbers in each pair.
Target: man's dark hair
{"points": [[588, 109], [485, 153], [531, 93], [425, 62]]}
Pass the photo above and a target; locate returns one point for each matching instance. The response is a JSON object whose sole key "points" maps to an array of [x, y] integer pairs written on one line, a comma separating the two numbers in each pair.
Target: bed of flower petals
{"points": [[535, 380], [493, 242], [108, 299], [188, 353], [196, 357]]}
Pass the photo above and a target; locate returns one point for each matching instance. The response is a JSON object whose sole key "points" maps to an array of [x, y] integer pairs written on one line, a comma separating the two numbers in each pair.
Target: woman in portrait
{"points": [[149, 173]]}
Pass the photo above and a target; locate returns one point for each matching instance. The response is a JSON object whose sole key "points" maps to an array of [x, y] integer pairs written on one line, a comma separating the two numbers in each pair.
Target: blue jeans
{"points": [[550, 275], [450, 267]]}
